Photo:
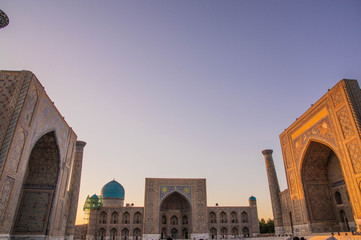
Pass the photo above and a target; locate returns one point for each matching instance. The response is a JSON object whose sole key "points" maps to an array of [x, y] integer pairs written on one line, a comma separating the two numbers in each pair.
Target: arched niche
{"points": [[39, 186], [322, 176], [175, 205]]}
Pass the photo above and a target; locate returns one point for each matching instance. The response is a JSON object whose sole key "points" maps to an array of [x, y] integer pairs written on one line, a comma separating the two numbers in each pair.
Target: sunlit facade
{"points": [[322, 159], [175, 208]]}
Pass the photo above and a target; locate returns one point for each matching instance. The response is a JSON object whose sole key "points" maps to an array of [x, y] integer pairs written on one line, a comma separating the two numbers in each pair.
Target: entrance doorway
{"points": [[175, 216]]}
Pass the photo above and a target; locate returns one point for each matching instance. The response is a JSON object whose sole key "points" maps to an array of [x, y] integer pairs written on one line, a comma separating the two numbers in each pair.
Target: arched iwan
{"points": [[39, 187]]}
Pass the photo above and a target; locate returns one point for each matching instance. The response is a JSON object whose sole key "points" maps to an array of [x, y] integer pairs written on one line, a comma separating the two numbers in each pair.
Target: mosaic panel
{"points": [[34, 211], [47, 119], [5, 192], [16, 150], [29, 106], [288, 157], [345, 123], [10, 121], [354, 98], [337, 98], [355, 155], [165, 190], [321, 207], [297, 211], [8, 84], [292, 182], [284, 139], [321, 130]]}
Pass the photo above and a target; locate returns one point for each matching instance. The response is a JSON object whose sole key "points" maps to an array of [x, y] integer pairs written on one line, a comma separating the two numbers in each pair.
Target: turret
{"points": [[274, 189]]}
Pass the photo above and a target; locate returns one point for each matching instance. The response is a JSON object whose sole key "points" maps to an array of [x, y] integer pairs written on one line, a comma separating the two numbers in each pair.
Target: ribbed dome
{"points": [[252, 198], [113, 189]]}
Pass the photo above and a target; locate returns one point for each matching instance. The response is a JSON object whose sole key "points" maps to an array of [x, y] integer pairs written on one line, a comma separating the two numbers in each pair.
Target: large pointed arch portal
{"points": [[175, 216], [325, 190], [38, 189]]}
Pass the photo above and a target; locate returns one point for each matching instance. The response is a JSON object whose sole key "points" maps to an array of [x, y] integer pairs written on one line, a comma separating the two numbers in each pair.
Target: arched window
{"points": [[174, 220], [185, 233], [223, 217], [126, 218], [224, 232], [125, 234], [137, 218], [114, 218], [244, 217], [136, 234], [184, 221], [213, 232], [174, 233], [164, 219], [102, 234], [338, 198], [164, 233], [212, 217], [113, 234], [103, 217], [245, 232], [234, 217], [235, 232]]}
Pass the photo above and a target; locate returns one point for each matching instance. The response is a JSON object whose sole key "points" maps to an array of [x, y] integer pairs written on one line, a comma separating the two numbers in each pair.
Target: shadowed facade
{"points": [[40, 162]]}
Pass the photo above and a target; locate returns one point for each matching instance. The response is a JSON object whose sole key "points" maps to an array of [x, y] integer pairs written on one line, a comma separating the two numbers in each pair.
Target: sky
{"points": [[183, 89]]}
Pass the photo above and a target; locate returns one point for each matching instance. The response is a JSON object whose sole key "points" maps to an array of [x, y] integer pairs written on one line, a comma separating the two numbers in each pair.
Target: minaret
{"points": [[253, 209], [274, 189], [74, 188]]}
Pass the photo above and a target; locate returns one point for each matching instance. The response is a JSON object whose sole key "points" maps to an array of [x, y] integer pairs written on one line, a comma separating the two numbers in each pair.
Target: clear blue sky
{"points": [[183, 88]]}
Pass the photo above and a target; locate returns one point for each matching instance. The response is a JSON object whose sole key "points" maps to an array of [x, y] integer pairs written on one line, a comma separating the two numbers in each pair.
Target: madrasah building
{"points": [[40, 163], [322, 159], [173, 208]]}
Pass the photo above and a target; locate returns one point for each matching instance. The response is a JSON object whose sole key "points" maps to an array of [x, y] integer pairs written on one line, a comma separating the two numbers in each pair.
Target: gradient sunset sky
{"points": [[183, 89]]}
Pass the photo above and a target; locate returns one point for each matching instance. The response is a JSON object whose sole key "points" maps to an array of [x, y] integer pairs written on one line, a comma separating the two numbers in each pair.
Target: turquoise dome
{"points": [[113, 189], [94, 196], [252, 198]]}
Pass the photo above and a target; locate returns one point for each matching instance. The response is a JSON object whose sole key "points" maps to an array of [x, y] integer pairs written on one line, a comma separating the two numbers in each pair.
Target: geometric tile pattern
{"points": [[355, 155], [44, 162], [337, 98], [321, 206], [5, 192], [185, 190], [39, 186], [12, 95], [345, 122], [33, 213], [16, 150], [29, 106], [353, 95], [321, 130]]}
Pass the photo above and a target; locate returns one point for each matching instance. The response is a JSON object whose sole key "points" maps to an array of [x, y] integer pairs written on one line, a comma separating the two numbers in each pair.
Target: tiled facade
{"points": [[37, 151], [175, 208]]}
